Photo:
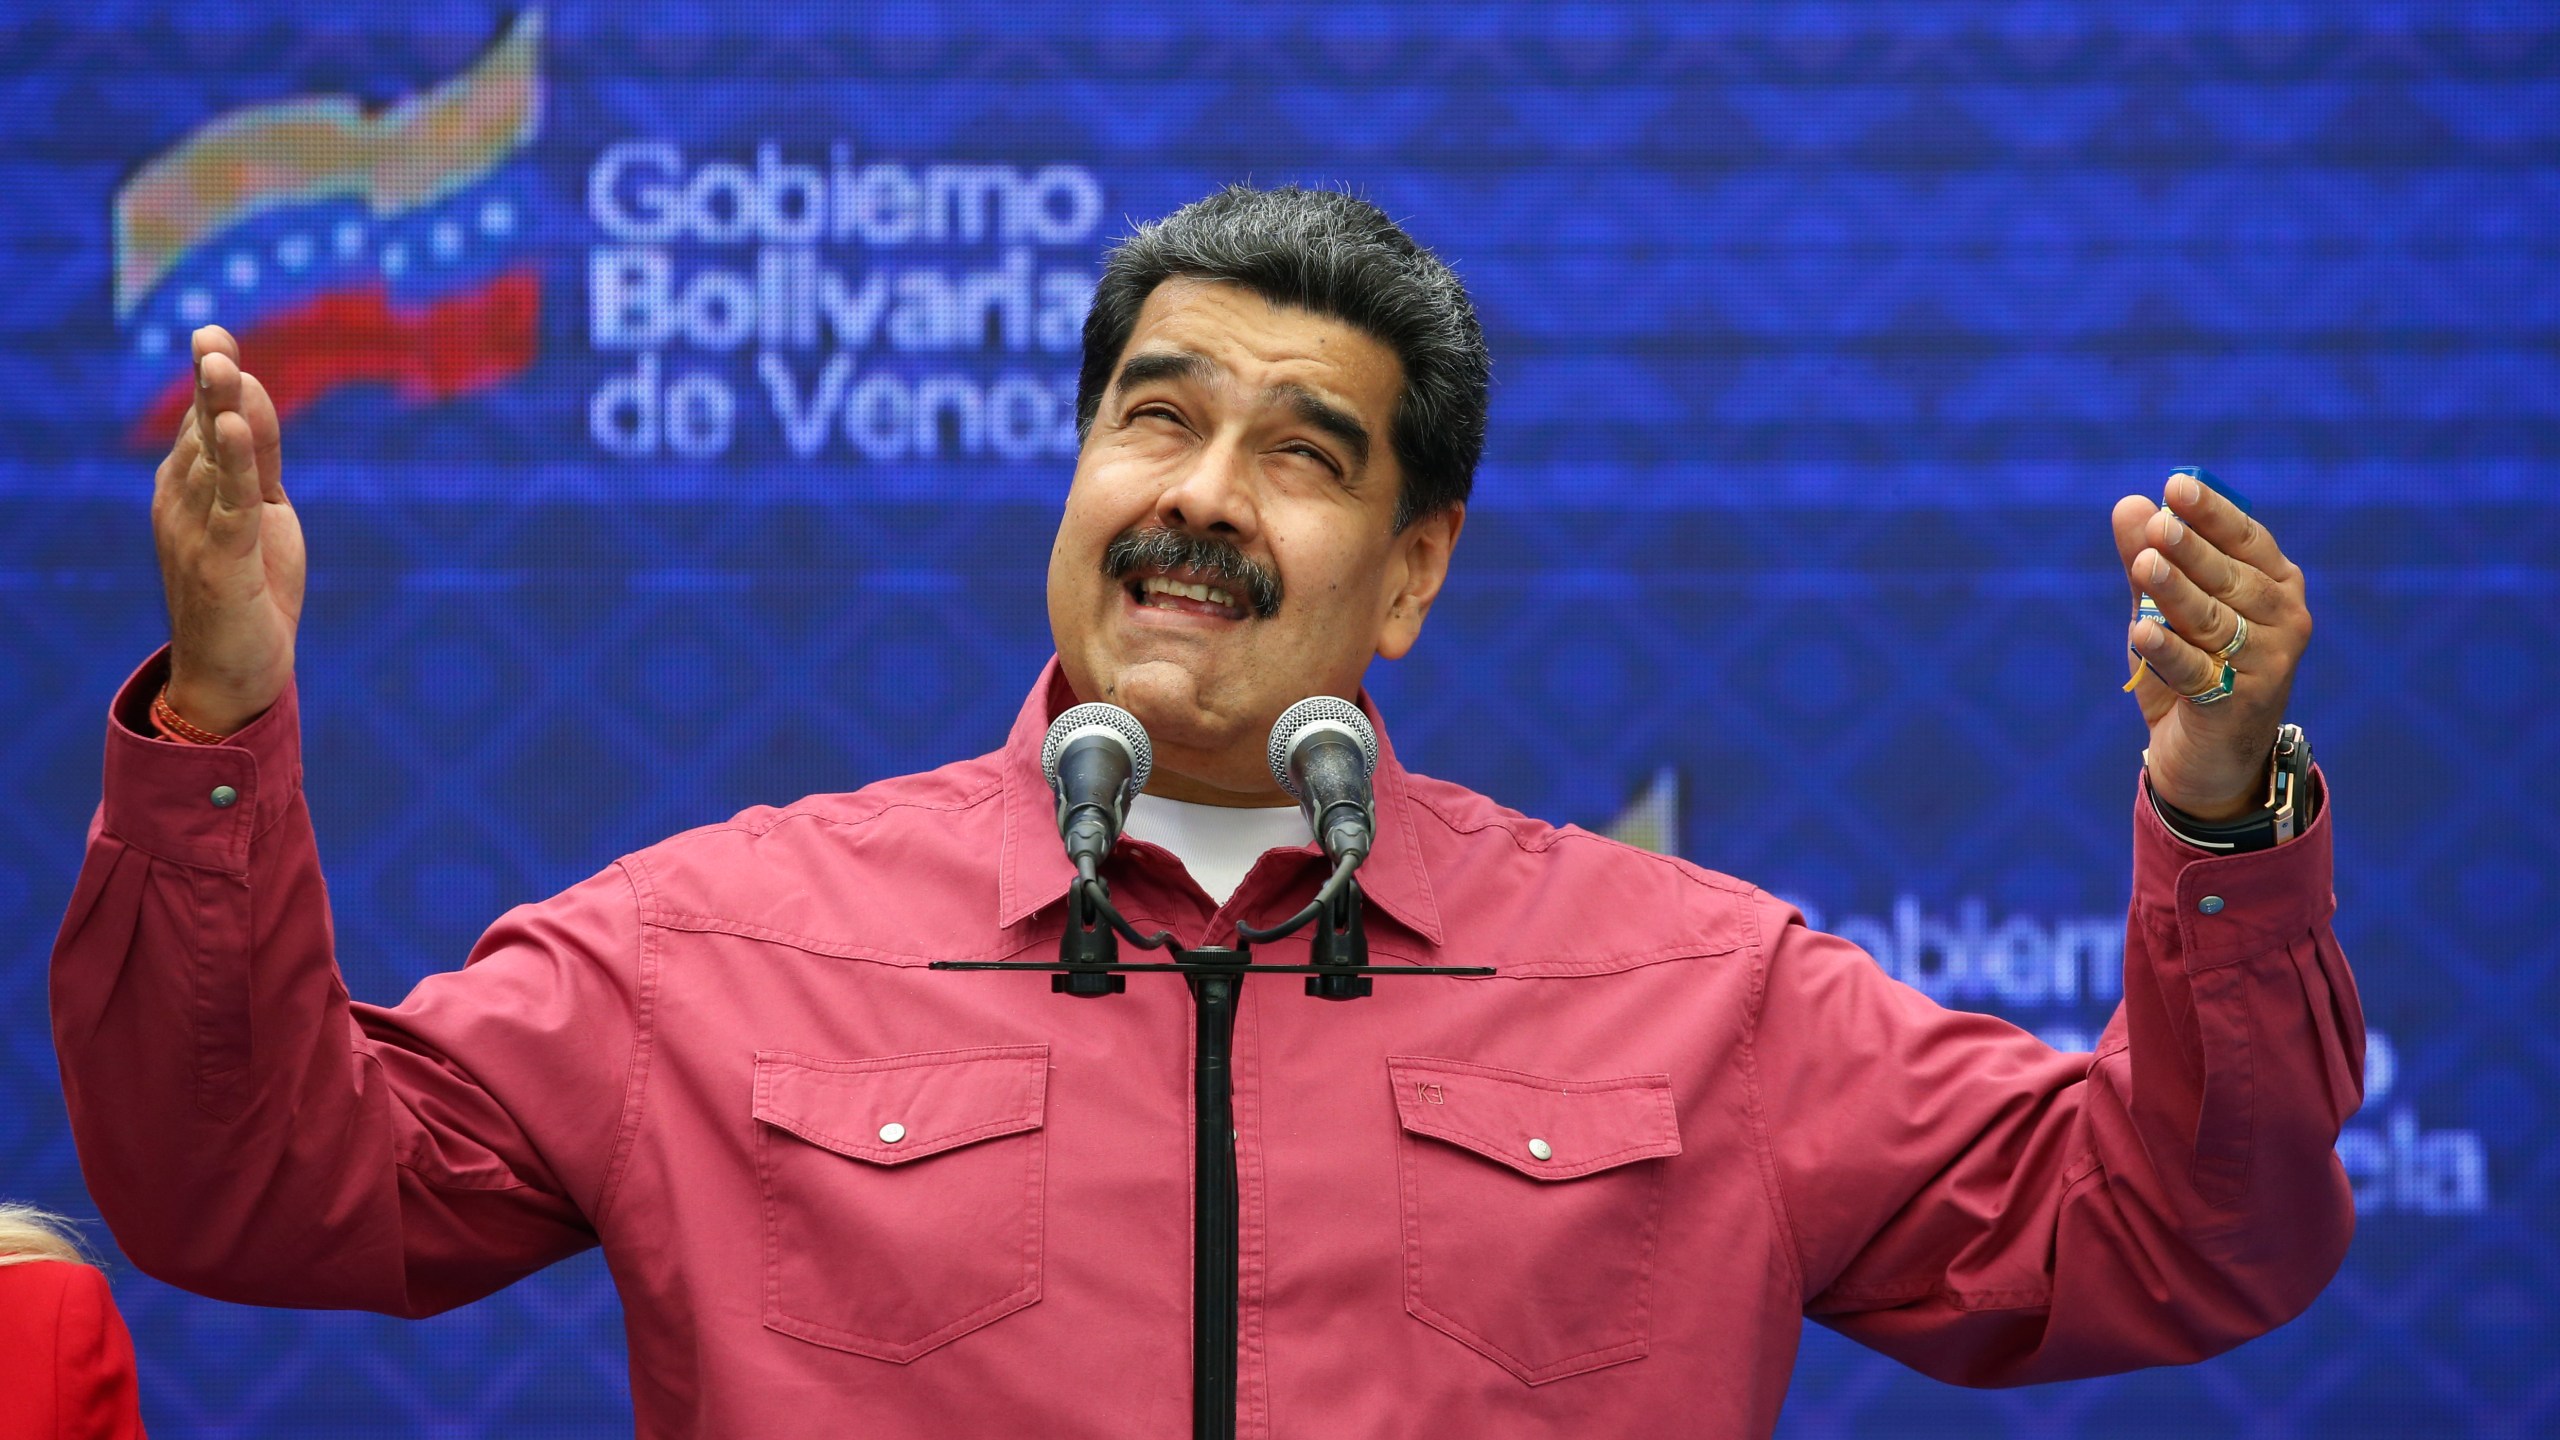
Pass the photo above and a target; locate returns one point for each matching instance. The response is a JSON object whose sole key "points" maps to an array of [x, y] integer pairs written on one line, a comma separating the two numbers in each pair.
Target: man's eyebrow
{"points": [[1328, 417], [1151, 366], [1157, 365]]}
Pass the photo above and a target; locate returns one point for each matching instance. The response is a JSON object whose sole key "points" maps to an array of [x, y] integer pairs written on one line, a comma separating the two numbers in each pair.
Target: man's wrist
{"points": [[175, 726], [205, 711], [2292, 801], [2240, 808]]}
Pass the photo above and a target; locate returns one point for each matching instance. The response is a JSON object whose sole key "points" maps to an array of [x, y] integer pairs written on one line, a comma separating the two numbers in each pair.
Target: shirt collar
{"points": [[1032, 870]]}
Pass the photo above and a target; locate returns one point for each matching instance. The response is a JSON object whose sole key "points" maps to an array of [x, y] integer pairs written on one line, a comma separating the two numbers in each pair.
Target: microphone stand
{"points": [[1089, 965]]}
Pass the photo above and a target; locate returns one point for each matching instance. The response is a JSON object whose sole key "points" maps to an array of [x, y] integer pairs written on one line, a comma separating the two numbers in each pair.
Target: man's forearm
{"points": [[203, 1032], [2160, 1201], [2236, 1057]]}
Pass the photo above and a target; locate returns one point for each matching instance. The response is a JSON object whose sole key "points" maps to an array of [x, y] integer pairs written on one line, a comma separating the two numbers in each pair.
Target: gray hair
{"points": [[1336, 255]]}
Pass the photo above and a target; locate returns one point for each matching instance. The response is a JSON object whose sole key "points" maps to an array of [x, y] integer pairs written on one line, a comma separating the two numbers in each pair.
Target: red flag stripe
{"points": [[452, 346]]}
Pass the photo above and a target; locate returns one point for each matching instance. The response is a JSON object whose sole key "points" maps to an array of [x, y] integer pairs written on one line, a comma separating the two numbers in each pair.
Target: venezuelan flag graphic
{"points": [[342, 246]]}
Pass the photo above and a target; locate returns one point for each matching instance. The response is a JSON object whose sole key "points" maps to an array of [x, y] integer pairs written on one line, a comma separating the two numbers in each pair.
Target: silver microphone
{"points": [[1096, 759], [1323, 752]]}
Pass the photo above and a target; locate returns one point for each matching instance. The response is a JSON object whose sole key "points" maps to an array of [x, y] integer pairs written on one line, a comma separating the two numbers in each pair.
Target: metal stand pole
{"points": [[1088, 964], [1214, 1212]]}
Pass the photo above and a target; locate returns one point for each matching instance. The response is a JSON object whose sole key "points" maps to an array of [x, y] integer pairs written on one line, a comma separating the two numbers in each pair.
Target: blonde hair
{"points": [[27, 1233]]}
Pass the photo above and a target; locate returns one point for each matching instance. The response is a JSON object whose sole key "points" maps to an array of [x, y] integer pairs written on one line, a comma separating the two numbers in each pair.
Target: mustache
{"points": [[1161, 547]]}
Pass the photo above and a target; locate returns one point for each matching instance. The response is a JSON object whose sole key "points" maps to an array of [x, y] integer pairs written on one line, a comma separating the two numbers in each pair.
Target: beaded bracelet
{"points": [[172, 725]]}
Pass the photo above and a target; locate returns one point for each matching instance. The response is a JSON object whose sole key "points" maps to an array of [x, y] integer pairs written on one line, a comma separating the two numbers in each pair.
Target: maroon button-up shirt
{"points": [[842, 1193]]}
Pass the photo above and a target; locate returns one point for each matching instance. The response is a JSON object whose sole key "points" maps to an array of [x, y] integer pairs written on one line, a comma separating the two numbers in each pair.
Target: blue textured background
{"points": [[1825, 335]]}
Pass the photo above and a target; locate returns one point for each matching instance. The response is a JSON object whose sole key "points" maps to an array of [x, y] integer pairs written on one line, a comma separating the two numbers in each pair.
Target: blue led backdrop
{"points": [[680, 408]]}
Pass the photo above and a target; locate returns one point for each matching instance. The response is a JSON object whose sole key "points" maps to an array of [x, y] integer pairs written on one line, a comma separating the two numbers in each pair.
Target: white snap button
{"points": [[892, 1133], [1541, 1150]]}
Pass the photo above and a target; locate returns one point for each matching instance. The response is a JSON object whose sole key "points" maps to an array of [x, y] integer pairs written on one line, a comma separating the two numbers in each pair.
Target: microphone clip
{"points": [[1087, 948], [1338, 940], [1088, 962]]}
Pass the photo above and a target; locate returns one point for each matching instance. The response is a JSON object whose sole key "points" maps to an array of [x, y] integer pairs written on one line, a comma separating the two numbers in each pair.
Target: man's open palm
{"points": [[230, 546]]}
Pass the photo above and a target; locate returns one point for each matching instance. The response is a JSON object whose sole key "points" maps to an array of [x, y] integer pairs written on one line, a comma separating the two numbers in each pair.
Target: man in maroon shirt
{"points": [[1593, 1195]]}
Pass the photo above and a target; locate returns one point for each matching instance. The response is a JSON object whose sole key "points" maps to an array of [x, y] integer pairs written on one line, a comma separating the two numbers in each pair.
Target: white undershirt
{"points": [[1216, 843]]}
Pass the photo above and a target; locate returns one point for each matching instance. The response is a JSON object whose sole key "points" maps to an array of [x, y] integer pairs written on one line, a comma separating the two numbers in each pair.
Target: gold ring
{"points": [[2239, 636]]}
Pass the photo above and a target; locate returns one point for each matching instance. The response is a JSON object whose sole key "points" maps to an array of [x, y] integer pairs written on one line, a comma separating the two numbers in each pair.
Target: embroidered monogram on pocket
{"points": [[903, 1197], [1532, 1209]]}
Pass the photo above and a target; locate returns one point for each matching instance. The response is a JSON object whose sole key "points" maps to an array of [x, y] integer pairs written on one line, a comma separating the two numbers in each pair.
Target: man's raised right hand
{"points": [[230, 546]]}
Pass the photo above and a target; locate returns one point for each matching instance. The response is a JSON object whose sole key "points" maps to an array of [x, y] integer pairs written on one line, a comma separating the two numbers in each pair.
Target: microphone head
{"points": [[1312, 716], [1111, 720]]}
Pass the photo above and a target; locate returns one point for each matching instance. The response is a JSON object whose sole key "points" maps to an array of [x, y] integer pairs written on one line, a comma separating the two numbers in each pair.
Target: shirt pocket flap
{"points": [[1584, 1126], [904, 1107]]}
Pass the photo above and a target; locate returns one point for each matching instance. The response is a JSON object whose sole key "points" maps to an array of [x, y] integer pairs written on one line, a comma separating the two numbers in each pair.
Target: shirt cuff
{"points": [[197, 804], [2228, 907]]}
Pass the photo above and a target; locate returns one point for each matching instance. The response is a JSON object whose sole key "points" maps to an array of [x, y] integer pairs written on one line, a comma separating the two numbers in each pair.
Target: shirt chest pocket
{"points": [[1532, 1208], [903, 1196]]}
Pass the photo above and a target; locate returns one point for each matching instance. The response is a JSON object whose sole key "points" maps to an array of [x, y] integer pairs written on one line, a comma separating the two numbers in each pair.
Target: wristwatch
{"points": [[2293, 802]]}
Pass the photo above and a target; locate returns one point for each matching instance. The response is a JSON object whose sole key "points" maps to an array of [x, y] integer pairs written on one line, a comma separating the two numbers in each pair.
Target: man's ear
{"points": [[1419, 565]]}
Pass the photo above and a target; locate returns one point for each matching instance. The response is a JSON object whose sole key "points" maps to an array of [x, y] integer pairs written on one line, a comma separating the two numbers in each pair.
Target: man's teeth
{"points": [[1162, 585]]}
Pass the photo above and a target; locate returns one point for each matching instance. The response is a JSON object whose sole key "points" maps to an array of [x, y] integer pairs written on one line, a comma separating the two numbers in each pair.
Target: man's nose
{"points": [[1216, 495]]}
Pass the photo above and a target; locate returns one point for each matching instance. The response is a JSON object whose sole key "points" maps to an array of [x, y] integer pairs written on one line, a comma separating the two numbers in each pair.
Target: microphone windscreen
{"points": [[1110, 719], [1313, 713]]}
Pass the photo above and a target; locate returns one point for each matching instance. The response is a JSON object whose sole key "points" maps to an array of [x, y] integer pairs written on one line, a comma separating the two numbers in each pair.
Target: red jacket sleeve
{"points": [[249, 1132], [70, 1366], [1993, 1212]]}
